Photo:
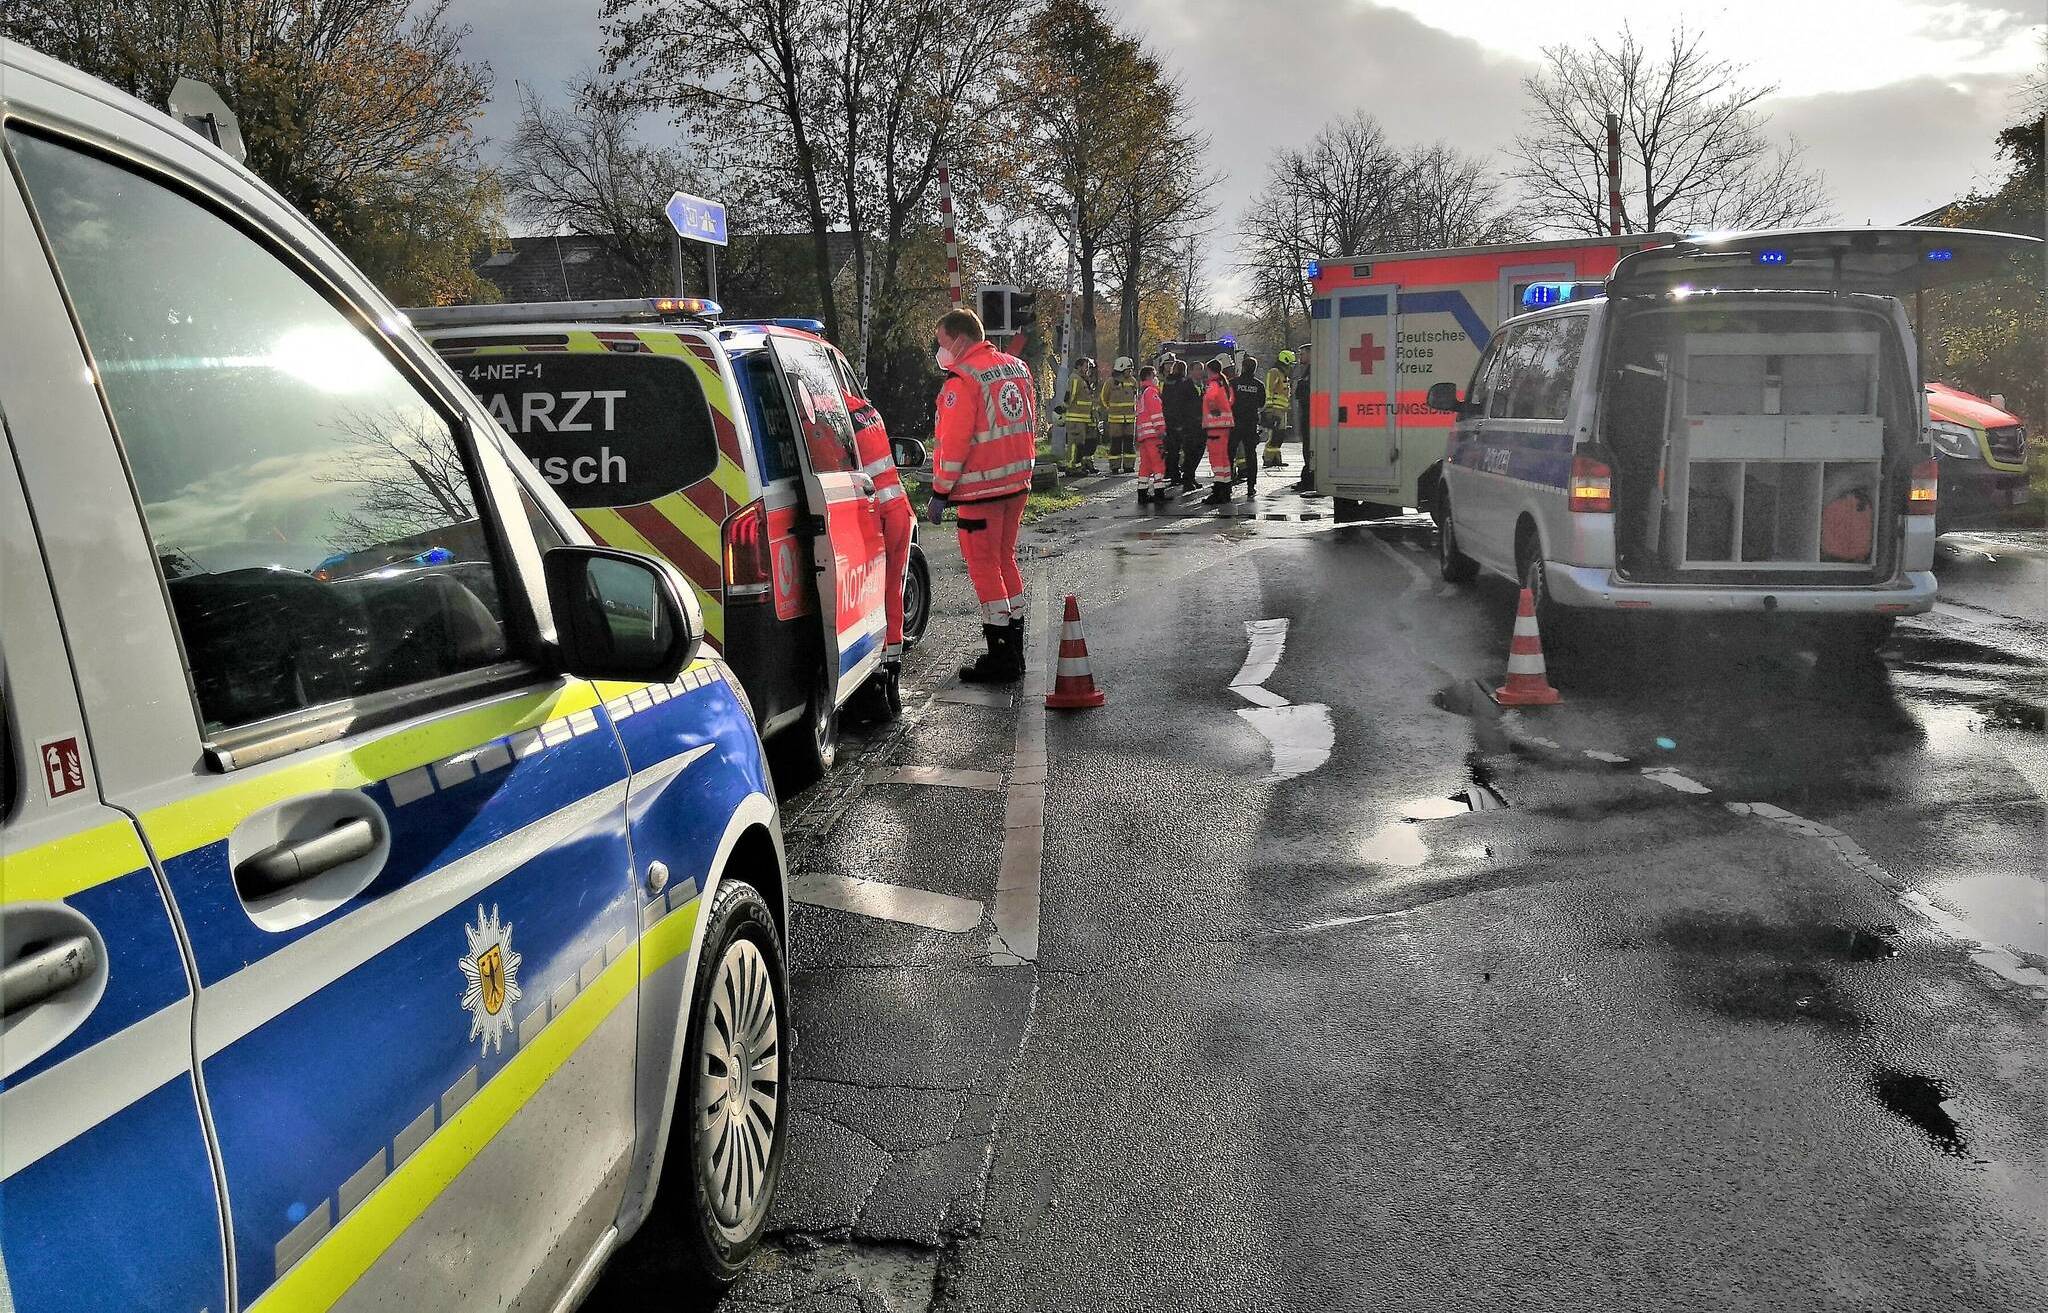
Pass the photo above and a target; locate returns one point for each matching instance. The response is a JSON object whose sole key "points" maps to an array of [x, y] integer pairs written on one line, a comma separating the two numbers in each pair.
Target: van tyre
{"points": [[1452, 564], [917, 597], [1350, 510], [731, 1119], [881, 698], [1560, 629], [804, 753]]}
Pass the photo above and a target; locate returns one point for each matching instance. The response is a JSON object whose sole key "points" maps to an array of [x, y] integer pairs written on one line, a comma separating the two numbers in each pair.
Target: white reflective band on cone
{"points": [[1070, 631], [1525, 665], [1525, 626], [1072, 666]]}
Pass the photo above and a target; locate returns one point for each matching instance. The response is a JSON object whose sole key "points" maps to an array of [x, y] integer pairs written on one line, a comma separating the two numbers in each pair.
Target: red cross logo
{"points": [[1368, 355]]}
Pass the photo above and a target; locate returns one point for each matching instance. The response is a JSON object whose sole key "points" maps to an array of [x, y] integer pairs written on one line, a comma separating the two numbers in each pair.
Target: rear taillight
{"points": [[749, 572], [1926, 487], [1592, 486]]}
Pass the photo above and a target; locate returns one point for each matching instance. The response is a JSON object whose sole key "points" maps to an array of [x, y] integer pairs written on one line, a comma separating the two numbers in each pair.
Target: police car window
{"points": [[1561, 366], [821, 407], [611, 429], [768, 414], [312, 514], [1529, 371]]}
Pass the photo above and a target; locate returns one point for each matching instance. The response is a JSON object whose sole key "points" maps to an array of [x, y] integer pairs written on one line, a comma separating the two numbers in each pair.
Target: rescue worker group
{"points": [[986, 438]]}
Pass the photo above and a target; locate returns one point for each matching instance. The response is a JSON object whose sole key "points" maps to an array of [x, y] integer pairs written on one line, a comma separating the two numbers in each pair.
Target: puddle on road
{"points": [[1918, 1100], [1400, 843], [2009, 910], [1750, 969]]}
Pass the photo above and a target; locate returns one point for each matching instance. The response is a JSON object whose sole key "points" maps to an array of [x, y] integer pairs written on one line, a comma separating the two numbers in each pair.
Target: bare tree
{"points": [[1162, 196], [1695, 154], [1351, 191], [580, 170]]}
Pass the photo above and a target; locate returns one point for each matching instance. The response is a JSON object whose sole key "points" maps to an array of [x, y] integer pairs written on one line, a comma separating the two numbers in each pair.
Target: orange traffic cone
{"points": [[1528, 684], [1073, 689]]}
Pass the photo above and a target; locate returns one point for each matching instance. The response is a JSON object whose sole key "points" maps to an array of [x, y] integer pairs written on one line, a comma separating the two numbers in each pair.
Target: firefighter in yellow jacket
{"points": [[1120, 417], [1278, 416], [1080, 412]]}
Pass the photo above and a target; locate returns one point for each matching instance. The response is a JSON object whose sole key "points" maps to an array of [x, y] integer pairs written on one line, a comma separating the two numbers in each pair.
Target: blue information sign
{"points": [[697, 219]]}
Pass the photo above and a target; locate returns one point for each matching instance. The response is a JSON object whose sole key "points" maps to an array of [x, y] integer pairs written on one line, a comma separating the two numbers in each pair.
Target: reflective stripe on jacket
{"points": [[1279, 389], [1120, 400], [1080, 401], [1217, 403], [987, 428], [1151, 415], [871, 444]]}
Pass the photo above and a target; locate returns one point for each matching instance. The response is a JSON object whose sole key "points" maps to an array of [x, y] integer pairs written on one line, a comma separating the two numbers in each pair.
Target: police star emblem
{"points": [[492, 970]]}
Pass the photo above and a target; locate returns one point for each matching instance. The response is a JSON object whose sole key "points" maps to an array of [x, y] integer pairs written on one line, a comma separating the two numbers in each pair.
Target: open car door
{"points": [[1882, 261], [848, 555]]}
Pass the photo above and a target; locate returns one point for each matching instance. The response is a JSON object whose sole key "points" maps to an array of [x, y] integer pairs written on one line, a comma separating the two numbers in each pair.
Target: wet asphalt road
{"points": [[1728, 995]]}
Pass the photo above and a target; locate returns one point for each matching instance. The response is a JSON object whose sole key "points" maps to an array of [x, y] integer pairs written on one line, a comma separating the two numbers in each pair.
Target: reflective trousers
{"points": [[897, 517], [988, 546], [1219, 457], [1152, 462], [1119, 437]]}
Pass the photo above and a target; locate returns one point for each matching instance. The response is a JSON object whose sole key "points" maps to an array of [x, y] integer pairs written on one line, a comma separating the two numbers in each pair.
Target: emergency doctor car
{"points": [[391, 897]]}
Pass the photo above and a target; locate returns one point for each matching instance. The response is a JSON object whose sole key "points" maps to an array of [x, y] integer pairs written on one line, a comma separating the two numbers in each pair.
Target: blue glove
{"points": [[935, 509]]}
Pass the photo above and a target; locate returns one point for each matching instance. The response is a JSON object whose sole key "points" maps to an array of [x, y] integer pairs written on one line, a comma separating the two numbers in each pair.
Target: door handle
{"points": [[283, 865], [1343, 414], [44, 971]]}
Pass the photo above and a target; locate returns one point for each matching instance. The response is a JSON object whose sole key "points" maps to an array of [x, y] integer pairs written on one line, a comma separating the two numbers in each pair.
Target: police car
{"points": [[391, 891], [727, 448], [1730, 424]]}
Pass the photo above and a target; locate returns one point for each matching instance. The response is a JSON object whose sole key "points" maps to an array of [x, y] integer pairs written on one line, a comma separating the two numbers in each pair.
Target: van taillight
{"points": [[1592, 485], [749, 573], [1926, 488]]}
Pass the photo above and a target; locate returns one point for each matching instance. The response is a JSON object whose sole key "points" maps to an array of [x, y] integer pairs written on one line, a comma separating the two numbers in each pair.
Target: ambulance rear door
{"points": [[846, 546], [1355, 368]]}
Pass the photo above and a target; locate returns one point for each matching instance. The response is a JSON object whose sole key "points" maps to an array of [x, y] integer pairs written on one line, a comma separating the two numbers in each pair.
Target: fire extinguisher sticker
{"points": [[63, 767]]}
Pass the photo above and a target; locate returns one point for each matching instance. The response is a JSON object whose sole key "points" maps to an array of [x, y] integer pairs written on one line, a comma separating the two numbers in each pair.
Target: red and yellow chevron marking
{"points": [[685, 527]]}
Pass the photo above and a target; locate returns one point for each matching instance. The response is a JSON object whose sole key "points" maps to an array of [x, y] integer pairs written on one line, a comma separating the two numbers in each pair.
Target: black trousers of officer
{"points": [[1244, 452], [1193, 449]]}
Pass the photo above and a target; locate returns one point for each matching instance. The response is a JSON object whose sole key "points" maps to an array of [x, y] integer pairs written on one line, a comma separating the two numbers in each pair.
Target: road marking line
{"points": [[886, 902], [1672, 779], [1268, 642], [1612, 759], [1020, 874], [1264, 697], [938, 776]]}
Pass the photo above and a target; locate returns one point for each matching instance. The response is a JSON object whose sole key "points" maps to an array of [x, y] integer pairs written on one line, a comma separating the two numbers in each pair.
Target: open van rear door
{"points": [[1883, 261], [848, 554]]}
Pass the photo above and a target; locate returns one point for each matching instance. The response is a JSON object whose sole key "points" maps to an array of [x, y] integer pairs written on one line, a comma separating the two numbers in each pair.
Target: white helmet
{"points": [[1123, 364]]}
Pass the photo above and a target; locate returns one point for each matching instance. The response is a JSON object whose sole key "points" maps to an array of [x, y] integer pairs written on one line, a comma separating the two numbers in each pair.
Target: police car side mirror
{"points": [[910, 454], [1444, 397], [620, 615]]}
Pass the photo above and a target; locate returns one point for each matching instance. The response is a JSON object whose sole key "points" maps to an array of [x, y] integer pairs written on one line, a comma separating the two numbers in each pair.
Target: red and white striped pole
{"points": [[1614, 175], [951, 235]]}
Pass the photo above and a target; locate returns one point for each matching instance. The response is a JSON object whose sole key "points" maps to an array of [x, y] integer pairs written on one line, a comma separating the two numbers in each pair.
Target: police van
{"points": [[1732, 425], [391, 886], [728, 449]]}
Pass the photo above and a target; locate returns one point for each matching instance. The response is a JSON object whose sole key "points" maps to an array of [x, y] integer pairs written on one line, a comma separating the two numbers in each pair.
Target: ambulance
{"points": [[726, 447], [1385, 328]]}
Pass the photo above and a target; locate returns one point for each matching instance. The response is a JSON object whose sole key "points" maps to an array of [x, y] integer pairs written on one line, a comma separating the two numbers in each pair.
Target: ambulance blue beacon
{"points": [[391, 888]]}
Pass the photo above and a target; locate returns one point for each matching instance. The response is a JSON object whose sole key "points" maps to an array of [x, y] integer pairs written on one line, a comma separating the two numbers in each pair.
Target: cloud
{"points": [[545, 44], [1893, 152]]}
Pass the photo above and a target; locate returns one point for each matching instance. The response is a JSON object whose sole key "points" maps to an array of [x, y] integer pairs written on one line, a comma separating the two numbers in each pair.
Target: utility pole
{"points": [[1613, 174]]}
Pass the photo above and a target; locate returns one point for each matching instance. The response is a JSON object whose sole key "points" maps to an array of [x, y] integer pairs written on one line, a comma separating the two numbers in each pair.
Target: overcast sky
{"points": [[1896, 101]]}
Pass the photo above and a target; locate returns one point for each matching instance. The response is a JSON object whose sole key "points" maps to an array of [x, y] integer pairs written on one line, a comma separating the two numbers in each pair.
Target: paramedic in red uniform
{"points": [[987, 437], [878, 462], [1219, 422]]}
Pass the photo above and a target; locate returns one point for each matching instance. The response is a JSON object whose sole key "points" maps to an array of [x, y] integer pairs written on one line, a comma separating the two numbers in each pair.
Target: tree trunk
{"points": [[1087, 315], [1127, 321]]}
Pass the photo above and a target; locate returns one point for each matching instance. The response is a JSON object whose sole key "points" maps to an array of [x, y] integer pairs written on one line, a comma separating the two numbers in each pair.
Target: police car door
{"points": [[850, 565], [1361, 377], [107, 1195], [397, 849]]}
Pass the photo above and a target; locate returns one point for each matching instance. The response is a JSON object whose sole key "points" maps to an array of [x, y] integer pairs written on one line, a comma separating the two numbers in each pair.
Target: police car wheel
{"points": [[917, 597], [733, 1103]]}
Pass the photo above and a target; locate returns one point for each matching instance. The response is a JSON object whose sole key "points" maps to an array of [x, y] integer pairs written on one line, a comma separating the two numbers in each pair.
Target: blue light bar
{"points": [[1770, 257], [1315, 269], [1941, 255], [1228, 341]]}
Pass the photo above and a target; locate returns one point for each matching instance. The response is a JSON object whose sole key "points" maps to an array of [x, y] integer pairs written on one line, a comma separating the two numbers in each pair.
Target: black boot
{"points": [[1219, 495], [994, 665], [1014, 636]]}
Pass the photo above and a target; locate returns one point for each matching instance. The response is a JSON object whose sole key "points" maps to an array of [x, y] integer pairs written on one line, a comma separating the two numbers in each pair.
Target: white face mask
{"points": [[945, 357]]}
